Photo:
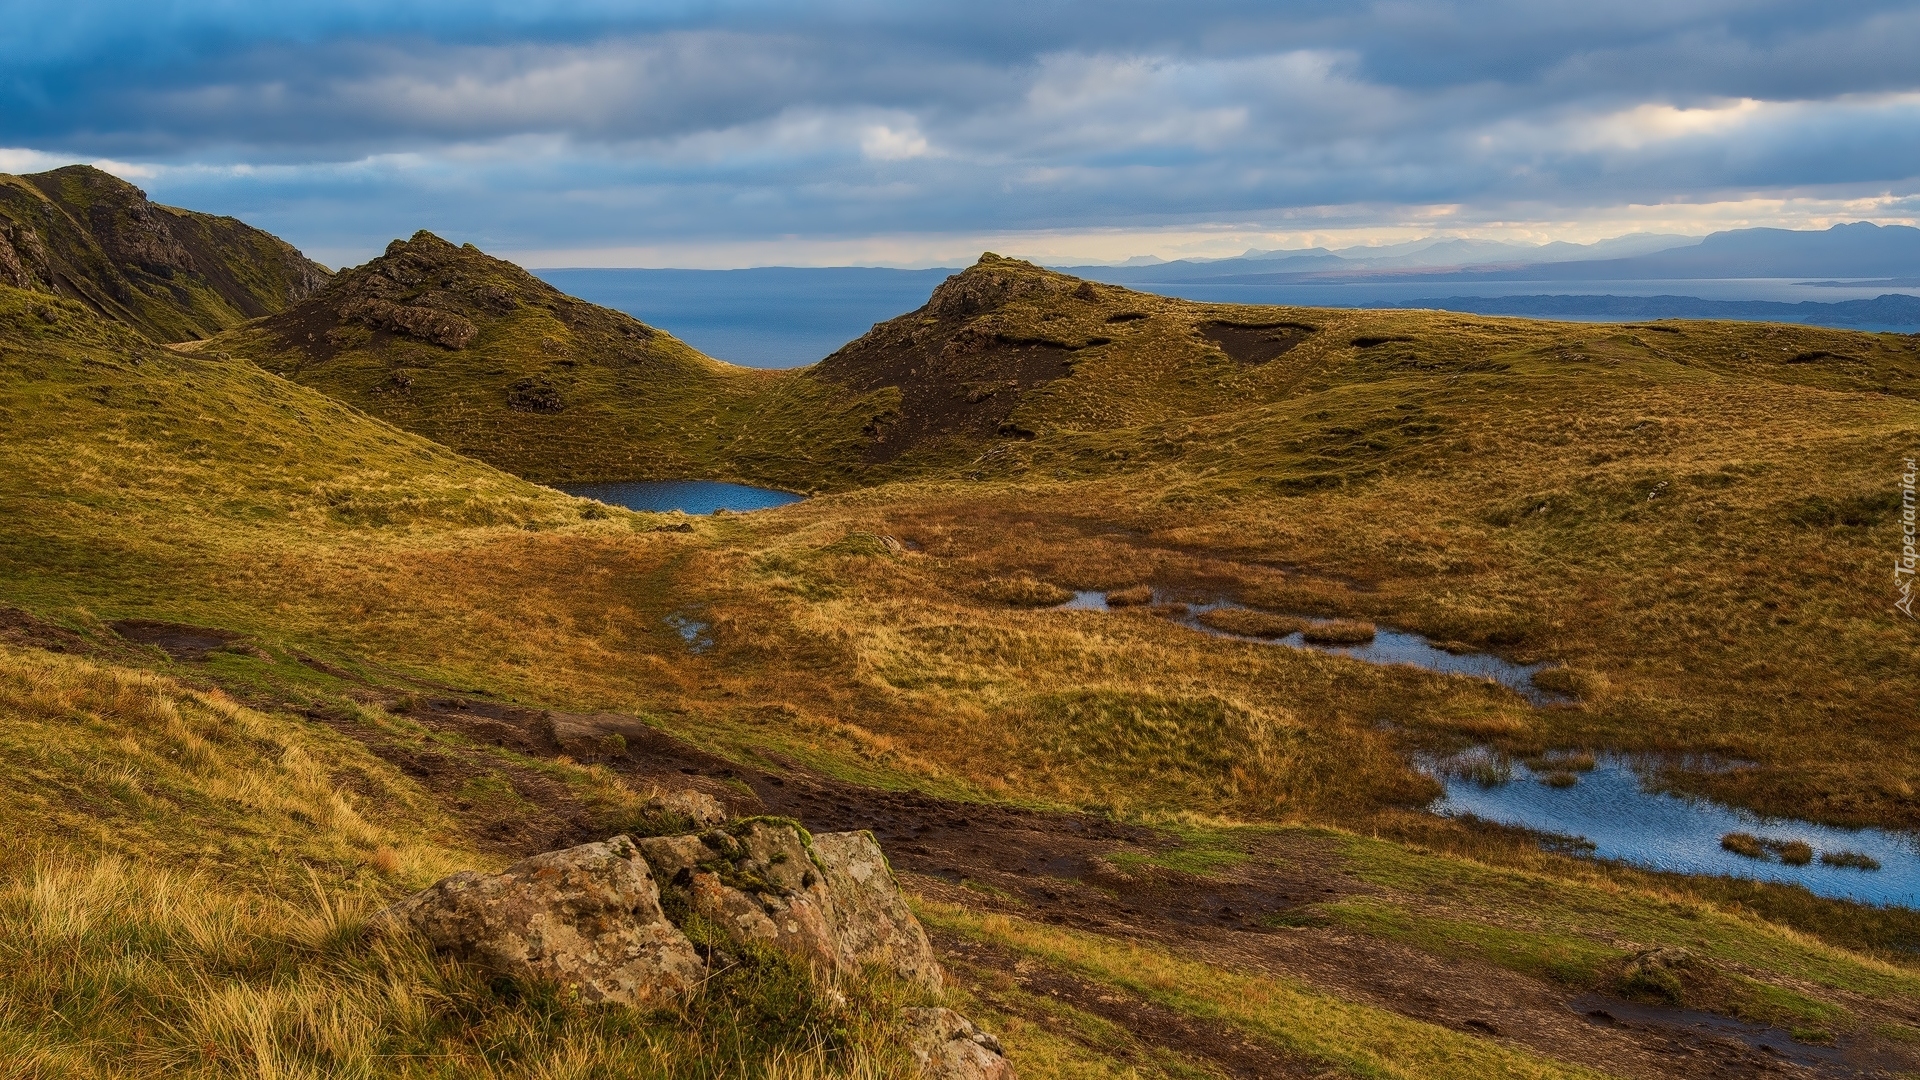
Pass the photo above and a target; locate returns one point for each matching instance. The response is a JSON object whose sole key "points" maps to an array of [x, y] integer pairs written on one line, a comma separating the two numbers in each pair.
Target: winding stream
{"points": [[1387, 647]]}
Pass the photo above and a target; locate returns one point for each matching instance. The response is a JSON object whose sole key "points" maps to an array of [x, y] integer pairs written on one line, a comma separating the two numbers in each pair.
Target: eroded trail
{"points": [[1086, 873]]}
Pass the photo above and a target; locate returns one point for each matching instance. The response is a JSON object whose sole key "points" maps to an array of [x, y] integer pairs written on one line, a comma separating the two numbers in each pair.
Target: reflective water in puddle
{"points": [[1387, 647], [1609, 807], [686, 496], [692, 631], [1087, 600]]}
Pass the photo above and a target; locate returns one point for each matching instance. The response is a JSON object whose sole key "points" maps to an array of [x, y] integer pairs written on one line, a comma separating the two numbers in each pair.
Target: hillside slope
{"points": [[126, 461], [174, 275], [481, 356], [1688, 516]]}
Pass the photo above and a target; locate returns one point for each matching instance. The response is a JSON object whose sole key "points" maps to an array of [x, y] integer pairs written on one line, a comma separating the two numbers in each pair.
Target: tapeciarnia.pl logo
{"points": [[1903, 567]]}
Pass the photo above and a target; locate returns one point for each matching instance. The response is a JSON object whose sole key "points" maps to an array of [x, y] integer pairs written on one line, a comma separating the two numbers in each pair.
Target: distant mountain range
{"points": [[1891, 310], [1858, 250]]}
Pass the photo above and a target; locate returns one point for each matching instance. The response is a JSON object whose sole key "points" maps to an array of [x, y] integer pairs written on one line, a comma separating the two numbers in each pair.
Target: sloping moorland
{"points": [[1143, 851]]}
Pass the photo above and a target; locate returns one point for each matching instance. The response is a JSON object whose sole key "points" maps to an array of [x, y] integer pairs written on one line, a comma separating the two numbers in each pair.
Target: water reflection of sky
{"points": [[1609, 808], [687, 496], [1387, 647]]}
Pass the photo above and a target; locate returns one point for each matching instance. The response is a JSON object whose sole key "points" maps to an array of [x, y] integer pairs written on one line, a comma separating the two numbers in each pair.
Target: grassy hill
{"points": [[481, 356], [172, 274]]}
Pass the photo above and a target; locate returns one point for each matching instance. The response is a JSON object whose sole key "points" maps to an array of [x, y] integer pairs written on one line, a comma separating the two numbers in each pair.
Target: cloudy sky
{"points": [[741, 132]]}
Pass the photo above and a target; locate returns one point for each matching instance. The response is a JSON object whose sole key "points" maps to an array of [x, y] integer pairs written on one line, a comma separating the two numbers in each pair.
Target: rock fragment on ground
{"points": [[587, 918], [947, 1046], [698, 807]]}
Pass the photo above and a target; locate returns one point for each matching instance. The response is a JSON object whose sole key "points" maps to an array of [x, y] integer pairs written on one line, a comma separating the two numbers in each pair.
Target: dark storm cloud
{"points": [[568, 120]]}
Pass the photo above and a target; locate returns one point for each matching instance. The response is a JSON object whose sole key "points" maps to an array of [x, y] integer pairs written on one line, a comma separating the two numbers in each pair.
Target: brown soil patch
{"points": [[182, 642], [28, 630], [1255, 343]]}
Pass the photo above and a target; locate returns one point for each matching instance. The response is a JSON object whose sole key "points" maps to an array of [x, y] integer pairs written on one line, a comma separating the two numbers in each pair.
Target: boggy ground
{"points": [[1301, 905]]}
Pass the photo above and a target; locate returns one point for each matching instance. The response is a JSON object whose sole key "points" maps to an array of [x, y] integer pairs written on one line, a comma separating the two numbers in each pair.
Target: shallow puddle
{"points": [[1705, 1026], [1387, 647], [1609, 807], [692, 631], [686, 496]]}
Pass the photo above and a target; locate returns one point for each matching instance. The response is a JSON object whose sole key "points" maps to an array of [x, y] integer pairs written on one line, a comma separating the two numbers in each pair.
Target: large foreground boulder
{"points": [[587, 918], [946, 1046], [601, 919]]}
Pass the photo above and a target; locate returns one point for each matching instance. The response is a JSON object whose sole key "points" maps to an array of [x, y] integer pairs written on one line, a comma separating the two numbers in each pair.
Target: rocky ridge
{"points": [[172, 274]]}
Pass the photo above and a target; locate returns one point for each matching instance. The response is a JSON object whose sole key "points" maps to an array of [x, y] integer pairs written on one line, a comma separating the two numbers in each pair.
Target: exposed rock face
{"points": [[947, 1046], [759, 882], [23, 258], [833, 903], [588, 918], [870, 916], [443, 328]]}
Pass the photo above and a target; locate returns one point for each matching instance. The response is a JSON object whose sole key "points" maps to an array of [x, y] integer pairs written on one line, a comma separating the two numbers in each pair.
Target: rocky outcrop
{"points": [[947, 1046], [587, 918], [442, 328], [23, 258], [607, 920]]}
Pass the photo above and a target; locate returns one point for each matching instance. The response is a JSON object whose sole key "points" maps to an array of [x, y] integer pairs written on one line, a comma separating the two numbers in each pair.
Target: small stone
{"points": [[947, 1046], [696, 806]]}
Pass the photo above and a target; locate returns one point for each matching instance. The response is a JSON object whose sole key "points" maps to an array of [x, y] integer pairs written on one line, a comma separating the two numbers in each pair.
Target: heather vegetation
{"points": [[412, 661]]}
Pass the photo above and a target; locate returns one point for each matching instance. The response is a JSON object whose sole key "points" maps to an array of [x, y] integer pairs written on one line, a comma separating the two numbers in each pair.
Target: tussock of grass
{"points": [[1858, 860], [1339, 632], [1024, 592], [1131, 596], [1250, 623], [1745, 844], [1794, 852]]}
